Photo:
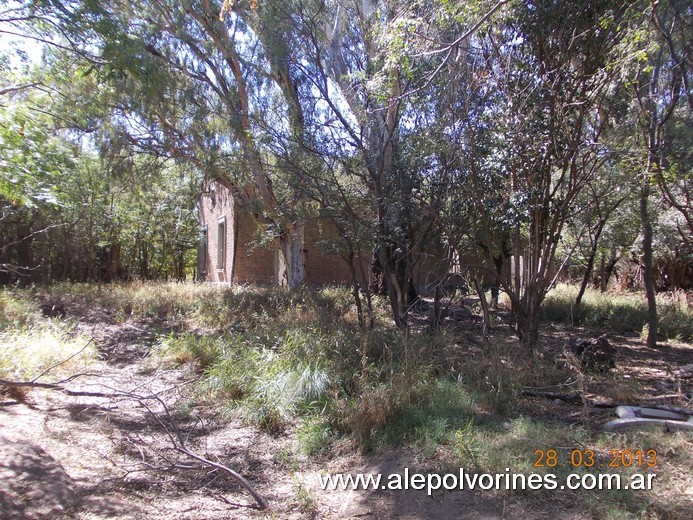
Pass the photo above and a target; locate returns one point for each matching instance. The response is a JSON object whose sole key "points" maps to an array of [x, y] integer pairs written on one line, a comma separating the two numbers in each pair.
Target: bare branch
{"points": [[62, 363], [18, 88], [33, 234]]}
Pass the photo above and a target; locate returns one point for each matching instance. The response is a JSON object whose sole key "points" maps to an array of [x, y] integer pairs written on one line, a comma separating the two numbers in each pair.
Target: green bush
{"points": [[315, 435], [189, 347], [17, 310]]}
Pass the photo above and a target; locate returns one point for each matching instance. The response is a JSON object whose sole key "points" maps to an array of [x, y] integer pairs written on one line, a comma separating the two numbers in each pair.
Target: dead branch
{"points": [[176, 438], [172, 431], [574, 397], [53, 386], [261, 501], [34, 233], [59, 363]]}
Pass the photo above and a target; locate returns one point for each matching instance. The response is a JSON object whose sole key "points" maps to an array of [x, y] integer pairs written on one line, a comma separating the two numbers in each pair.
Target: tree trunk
{"points": [[437, 311], [24, 252], [179, 263], [498, 262], [378, 285], [396, 291], [528, 320], [291, 272], [113, 262], [607, 270], [484, 306], [588, 272], [648, 272]]}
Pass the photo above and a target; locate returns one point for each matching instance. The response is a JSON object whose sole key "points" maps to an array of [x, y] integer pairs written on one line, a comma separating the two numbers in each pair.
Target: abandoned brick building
{"points": [[229, 250]]}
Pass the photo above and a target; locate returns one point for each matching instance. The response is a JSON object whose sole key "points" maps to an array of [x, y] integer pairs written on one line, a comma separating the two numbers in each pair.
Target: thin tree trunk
{"points": [[437, 312], [396, 295], [607, 270], [498, 262], [355, 289], [484, 307], [528, 320], [588, 271], [648, 272], [113, 262]]}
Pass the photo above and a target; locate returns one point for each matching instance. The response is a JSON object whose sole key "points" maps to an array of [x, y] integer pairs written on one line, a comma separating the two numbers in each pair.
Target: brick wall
{"points": [[248, 262], [216, 205], [254, 263], [324, 264]]}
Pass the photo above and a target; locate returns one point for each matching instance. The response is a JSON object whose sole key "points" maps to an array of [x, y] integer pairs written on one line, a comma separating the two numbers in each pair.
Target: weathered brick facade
{"points": [[240, 258]]}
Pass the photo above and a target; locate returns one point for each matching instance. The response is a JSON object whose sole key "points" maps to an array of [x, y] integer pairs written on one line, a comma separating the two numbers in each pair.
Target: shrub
{"points": [[315, 435], [189, 347], [17, 310]]}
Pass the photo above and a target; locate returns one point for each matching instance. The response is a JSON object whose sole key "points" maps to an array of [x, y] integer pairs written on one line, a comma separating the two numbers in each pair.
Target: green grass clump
{"points": [[31, 343], [274, 378], [431, 415], [18, 310], [315, 435], [675, 318], [26, 353], [189, 347], [625, 313], [373, 407]]}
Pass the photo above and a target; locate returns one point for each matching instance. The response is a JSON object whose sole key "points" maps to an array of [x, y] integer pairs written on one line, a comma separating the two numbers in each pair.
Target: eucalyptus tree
{"points": [[289, 104], [191, 86], [370, 66]]}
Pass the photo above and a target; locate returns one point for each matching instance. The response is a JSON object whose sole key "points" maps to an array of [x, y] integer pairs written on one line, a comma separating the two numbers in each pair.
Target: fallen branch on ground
{"points": [[574, 397], [179, 445], [58, 386], [176, 440], [59, 363]]}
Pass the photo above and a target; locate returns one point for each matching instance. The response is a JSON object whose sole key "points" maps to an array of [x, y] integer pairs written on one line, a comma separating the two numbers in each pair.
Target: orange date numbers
{"points": [[627, 458], [588, 458]]}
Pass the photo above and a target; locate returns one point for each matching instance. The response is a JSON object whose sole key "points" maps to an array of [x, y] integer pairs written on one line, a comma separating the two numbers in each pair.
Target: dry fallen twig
{"points": [[171, 430], [59, 363]]}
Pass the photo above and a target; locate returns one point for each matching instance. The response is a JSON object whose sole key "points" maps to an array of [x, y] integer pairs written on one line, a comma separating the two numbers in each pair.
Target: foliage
{"points": [[69, 212], [483, 147]]}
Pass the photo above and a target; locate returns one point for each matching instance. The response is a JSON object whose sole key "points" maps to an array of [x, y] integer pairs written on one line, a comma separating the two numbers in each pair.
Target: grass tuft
{"points": [[31, 343], [625, 313]]}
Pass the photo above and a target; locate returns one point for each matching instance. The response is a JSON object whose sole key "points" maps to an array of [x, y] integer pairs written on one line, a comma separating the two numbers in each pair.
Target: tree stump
{"points": [[595, 355]]}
